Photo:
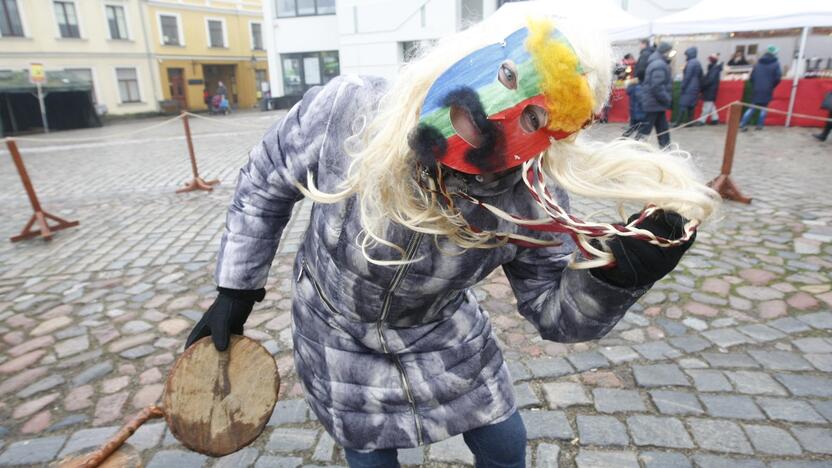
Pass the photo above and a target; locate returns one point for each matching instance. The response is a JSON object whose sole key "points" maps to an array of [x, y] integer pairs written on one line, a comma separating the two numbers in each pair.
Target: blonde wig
{"points": [[383, 172]]}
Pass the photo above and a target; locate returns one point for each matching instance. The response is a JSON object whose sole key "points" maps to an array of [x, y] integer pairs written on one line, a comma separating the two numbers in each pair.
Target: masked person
{"points": [[420, 194]]}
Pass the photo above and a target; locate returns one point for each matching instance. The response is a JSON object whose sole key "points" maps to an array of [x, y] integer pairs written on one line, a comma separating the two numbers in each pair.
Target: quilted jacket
{"points": [[396, 356]]}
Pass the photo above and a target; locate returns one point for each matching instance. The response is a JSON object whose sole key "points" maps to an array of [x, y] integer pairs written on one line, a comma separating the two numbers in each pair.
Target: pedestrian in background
{"points": [[221, 91], [656, 94], [826, 104], [637, 114], [764, 78], [710, 89], [646, 50], [691, 85], [738, 59]]}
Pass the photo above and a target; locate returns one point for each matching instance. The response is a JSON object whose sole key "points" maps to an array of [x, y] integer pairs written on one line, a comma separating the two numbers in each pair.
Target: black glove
{"points": [[639, 263], [226, 315]]}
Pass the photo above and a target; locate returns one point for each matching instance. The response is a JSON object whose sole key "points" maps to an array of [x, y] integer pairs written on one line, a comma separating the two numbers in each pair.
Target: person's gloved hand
{"points": [[226, 315], [639, 263]]}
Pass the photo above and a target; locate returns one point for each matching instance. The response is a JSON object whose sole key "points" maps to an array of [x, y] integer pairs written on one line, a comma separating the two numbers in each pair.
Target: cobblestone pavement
{"points": [[727, 362]]}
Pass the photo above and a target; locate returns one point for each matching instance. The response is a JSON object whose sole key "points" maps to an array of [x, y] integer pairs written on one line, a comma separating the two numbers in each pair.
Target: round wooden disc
{"points": [[217, 403]]}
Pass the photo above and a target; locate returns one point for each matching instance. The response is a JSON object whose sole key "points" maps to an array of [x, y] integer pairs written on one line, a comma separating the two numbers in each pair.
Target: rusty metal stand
{"points": [[197, 183], [723, 184], [39, 216]]}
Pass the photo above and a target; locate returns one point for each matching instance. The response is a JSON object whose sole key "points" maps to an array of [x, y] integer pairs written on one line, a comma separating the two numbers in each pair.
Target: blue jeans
{"points": [[500, 445], [747, 116]]}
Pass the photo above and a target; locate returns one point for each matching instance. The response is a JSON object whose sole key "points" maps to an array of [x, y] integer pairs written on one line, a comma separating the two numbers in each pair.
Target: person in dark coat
{"points": [[710, 89], [637, 114], [656, 94], [826, 104], [738, 60], [643, 58], [691, 84], [764, 78]]}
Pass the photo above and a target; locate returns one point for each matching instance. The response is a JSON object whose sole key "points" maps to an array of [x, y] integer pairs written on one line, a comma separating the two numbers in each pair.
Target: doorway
{"points": [[176, 81], [213, 74]]}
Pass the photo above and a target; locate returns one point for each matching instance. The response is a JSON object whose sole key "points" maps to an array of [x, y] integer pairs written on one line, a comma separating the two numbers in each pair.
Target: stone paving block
{"points": [[713, 461], [725, 337], [518, 370], [92, 373], [755, 383], [710, 380], [731, 406], [269, 461], [289, 412], [451, 450], [759, 332], [789, 325], [813, 345], [41, 386], [780, 360], [178, 459], [772, 440], [806, 385], [824, 408], [784, 409], [291, 440], [242, 458], [730, 360], [671, 327], [659, 375], [822, 362], [656, 350], [412, 456], [606, 459], [588, 360], [547, 456], [671, 402], [548, 367], [664, 460], [601, 430], [524, 396], [690, 343], [147, 436], [814, 439], [819, 320], [619, 354], [613, 400], [546, 425], [719, 436], [324, 449], [565, 394], [87, 438], [659, 431], [32, 451]]}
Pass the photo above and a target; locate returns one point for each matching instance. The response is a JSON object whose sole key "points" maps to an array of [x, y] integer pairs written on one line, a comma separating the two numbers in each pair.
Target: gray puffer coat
{"points": [[396, 356]]}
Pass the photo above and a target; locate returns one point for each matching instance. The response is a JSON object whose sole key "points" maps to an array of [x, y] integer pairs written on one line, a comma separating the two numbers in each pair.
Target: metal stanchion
{"points": [[723, 183], [197, 183], [40, 216]]}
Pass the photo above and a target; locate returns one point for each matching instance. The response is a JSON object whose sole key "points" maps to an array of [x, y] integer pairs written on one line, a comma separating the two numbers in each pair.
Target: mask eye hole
{"points": [[507, 74], [533, 119]]}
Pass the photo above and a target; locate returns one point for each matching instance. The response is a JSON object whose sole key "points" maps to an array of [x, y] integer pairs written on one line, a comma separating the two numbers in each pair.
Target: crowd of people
{"points": [[651, 89]]}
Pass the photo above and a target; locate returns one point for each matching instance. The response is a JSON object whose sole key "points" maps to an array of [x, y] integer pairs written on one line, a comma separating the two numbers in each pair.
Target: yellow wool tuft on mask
{"points": [[569, 100]]}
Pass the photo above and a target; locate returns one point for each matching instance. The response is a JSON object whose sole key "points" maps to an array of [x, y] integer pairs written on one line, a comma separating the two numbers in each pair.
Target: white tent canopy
{"points": [[617, 23], [719, 16]]}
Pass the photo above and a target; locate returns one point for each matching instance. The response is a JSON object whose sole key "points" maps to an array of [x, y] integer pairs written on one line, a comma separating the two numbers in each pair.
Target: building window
{"points": [[216, 33], [256, 36], [289, 8], [303, 71], [67, 19], [10, 24], [128, 84], [116, 22], [169, 25]]}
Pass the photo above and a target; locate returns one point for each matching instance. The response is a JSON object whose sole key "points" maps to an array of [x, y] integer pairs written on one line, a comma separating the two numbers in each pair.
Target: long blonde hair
{"points": [[383, 175]]}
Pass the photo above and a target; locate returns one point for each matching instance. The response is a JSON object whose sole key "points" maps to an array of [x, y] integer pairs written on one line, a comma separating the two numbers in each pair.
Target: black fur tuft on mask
{"points": [[428, 144], [487, 156]]}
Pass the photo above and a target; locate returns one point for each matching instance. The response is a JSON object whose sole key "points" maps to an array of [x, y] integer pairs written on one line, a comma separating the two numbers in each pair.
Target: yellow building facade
{"points": [[199, 43]]}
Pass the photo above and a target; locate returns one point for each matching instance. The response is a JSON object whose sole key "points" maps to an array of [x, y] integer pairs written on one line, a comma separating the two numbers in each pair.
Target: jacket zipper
{"points": [[410, 252]]}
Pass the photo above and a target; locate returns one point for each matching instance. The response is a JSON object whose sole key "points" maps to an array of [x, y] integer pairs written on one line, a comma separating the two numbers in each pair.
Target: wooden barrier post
{"points": [[723, 183], [40, 216], [197, 183]]}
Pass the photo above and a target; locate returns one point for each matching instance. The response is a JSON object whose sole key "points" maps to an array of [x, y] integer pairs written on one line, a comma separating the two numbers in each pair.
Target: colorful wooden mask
{"points": [[500, 105]]}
